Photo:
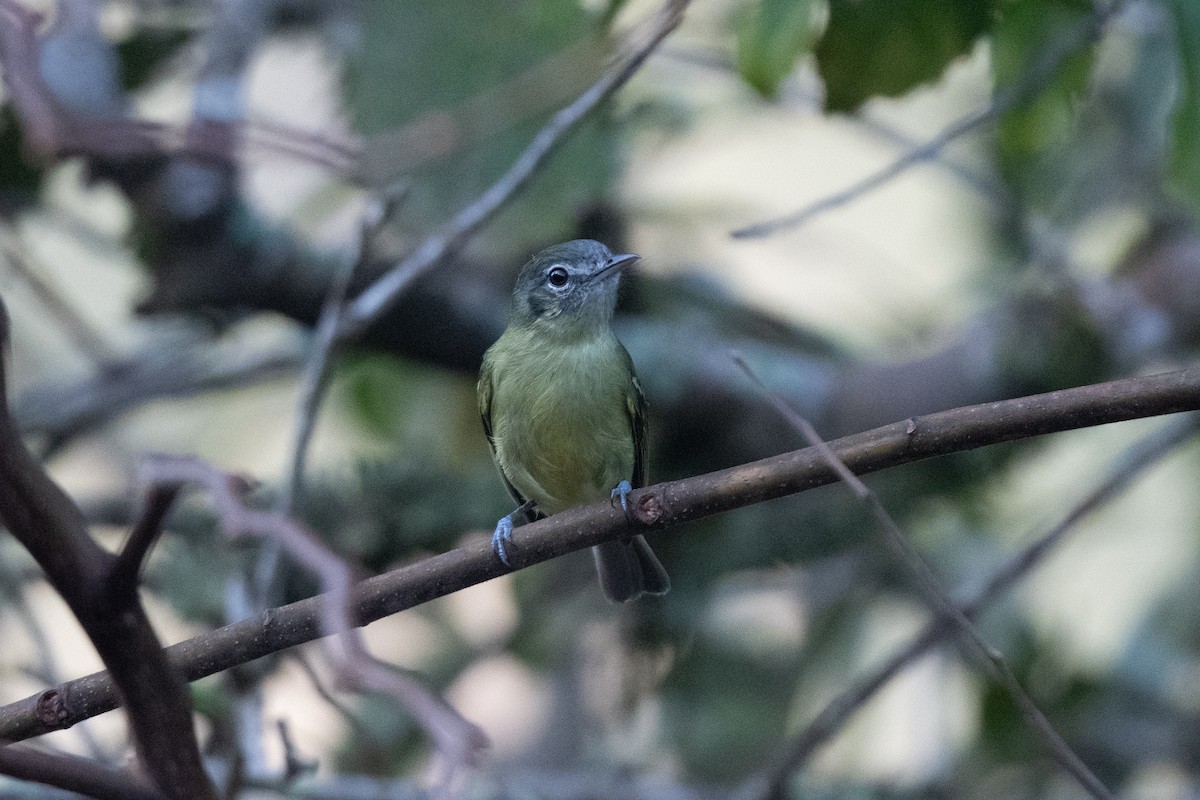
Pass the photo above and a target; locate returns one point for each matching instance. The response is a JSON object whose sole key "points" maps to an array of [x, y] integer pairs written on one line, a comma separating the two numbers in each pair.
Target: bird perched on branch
{"points": [[562, 408]]}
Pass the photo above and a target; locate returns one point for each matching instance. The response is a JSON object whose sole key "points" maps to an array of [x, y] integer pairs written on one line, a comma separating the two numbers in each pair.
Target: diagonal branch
{"points": [[51, 527], [1044, 68], [939, 600], [73, 773], [661, 506], [769, 782], [459, 741], [379, 296]]}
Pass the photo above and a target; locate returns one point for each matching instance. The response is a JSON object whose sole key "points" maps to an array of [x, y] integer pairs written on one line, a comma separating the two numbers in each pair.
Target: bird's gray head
{"points": [[570, 286]]}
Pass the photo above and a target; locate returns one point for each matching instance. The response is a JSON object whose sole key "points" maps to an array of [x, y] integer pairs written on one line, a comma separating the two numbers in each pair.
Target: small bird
{"points": [[562, 408]]}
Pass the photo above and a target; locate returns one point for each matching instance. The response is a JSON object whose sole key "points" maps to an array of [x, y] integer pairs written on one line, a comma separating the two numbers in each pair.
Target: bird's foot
{"points": [[621, 493], [502, 536]]}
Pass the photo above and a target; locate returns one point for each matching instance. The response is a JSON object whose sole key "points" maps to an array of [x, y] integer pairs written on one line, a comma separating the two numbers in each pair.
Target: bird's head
{"points": [[569, 288]]}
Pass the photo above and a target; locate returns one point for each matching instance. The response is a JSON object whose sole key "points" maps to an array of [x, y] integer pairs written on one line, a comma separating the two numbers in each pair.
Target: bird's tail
{"points": [[628, 569]]}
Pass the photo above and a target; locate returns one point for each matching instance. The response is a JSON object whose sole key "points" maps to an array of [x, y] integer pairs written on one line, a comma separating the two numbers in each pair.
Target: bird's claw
{"points": [[500, 537], [621, 493]]}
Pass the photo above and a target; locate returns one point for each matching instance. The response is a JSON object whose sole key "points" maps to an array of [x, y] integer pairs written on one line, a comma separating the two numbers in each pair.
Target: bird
{"points": [[563, 410]]}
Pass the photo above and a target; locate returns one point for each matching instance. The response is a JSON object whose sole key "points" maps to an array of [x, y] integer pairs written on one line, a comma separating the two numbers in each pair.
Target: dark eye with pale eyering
{"points": [[558, 277]]}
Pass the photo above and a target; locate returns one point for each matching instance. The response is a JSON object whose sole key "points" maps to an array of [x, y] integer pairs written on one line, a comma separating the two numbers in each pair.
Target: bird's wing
{"points": [[485, 392], [635, 402]]}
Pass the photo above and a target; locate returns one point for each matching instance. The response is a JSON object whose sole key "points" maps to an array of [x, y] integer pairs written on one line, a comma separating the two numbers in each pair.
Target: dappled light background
{"points": [[1038, 232]]}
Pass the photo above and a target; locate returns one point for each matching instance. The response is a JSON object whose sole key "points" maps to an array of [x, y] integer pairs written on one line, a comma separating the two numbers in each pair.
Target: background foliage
{"points": [[1078, 136]]}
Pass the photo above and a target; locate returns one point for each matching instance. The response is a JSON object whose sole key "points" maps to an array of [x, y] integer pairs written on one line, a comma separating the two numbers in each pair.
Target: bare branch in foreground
{"points": [[73, 773], [661, 506], [380, 295], [1132, 464], [940, 601], [124, 576], [457, 740], [50, 526]]}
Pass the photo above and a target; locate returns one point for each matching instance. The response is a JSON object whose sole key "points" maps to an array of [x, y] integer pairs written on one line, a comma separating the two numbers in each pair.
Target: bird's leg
{"points": [[504, 528], [621, 493]]}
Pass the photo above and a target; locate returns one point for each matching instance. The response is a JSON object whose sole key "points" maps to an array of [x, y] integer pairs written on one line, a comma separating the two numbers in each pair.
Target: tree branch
{"points": [[124, 576], [660, 506], [73, 773], [940, 602], [1030, 84], [50, 526], [769, 782], [459, 741], [379, 296]]}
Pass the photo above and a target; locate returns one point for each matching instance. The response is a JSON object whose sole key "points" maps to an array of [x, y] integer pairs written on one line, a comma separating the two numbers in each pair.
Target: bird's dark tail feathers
{"points": [[628, 569]]}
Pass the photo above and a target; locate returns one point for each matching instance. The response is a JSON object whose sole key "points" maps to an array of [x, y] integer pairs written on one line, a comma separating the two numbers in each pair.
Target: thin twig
{"points": [[1034, 81], [51, 527], [124, 576], [384, 292], [457, 740], [377, 213], [939, 600], [74, 774], [1131, 465], [293, 765], [85, 336], [664, 505], [361, 730]]}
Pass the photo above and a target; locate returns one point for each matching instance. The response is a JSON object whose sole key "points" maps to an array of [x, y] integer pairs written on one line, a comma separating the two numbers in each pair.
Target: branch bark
{"points": [[657, 507], [51, 527], [381, 295], [770, 782], [73, 773]]}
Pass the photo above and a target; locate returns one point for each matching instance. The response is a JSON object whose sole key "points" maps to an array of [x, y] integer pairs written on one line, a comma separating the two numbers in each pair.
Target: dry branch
{"points": [[51, 527], [940, 602], [770, 781], [661, 506]]}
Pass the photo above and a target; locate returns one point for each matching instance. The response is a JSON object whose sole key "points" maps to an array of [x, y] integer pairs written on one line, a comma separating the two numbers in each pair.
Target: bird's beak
{"points": [[615, 264]]}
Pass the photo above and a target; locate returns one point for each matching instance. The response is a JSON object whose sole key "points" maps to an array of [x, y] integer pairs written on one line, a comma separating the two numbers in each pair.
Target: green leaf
{"points": [[887, 47], [772, 39], [449, 93], [17, 175], [1026, 32], [1184, 169]]}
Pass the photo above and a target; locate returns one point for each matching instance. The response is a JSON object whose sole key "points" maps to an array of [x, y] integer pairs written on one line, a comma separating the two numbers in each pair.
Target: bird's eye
{"points": [[558, 277]]}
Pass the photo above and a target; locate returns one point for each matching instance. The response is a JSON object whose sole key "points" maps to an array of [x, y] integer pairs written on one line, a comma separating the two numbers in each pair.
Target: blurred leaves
{"points": [[447, 93], [1027, 31], [18, 178], [447, 106], [144, 54], [887, 47], [772, 38], [1185, 124]]}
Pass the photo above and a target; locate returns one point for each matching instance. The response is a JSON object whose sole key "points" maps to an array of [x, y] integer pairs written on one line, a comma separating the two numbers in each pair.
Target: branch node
{"points": [[52, 709], [648, 508]]}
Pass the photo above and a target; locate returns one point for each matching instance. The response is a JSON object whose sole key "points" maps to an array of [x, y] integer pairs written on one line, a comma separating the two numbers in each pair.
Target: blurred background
{"points": [[887, 207]]}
